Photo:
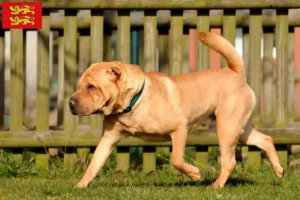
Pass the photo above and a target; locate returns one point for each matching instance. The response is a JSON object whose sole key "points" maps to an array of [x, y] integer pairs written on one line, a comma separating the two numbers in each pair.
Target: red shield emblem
{"points": [[21, 15]]}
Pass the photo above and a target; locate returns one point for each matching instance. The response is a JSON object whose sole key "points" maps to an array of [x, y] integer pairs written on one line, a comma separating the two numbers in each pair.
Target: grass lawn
{"points": [[21, 181]]}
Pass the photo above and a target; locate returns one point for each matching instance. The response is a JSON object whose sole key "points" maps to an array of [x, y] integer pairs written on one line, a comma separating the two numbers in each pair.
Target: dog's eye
{"points": [[90, 87]]}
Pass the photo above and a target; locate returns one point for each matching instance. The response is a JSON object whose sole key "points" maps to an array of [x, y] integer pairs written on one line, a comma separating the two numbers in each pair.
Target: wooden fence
{"points": [[274, 84]]}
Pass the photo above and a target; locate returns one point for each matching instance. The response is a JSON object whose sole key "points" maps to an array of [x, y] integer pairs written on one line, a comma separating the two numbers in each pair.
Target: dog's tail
{"points": [[225, 48]]}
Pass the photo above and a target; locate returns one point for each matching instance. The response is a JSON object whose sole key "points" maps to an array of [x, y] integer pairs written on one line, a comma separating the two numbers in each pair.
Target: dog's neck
{"points": [[134, 99]]}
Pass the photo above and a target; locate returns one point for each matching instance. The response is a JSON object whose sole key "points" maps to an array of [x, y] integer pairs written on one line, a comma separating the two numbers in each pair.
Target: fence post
{"points": [[268, 89], [281, 73], [84, 61], [203, 62], [43, 82], [83, 155], [254, 158], [201, 156], [123, 154], [229, 28], [60, 80], [150, 44], [255, 35], [246, 48], [163, 51], [107, 44], [281, 70], [176, 34], [203, 50], [16, 79], [297, 72], [97, 33], [149, 159], [163, 59], [70, 72], [245, 149], [150, 39], [254, 69], [291, 76], [176, 47]]}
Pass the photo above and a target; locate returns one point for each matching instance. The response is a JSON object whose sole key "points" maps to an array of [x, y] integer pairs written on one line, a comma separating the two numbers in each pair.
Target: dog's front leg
{"points": [[101, 154], [178, 145]]}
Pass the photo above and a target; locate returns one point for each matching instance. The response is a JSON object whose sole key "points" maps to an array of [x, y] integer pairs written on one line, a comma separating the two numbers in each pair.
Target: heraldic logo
{"points": [[21, 15]]}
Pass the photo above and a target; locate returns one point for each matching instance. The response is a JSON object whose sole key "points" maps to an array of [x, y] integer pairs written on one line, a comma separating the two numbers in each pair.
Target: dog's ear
{"points": [[114, 73]]}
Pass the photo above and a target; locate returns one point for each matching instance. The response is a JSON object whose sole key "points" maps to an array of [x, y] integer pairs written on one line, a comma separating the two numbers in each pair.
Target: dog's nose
{"points": [[72, 104]]}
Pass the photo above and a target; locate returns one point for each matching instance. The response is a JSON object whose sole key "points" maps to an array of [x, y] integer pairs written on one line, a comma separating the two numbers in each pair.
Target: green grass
{"points": [[20, 180]]}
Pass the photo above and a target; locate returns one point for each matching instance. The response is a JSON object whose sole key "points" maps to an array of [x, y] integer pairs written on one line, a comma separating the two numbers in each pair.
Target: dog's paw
{"points": [[195, 175], [279, 171], [81, 185], [216, 185]]}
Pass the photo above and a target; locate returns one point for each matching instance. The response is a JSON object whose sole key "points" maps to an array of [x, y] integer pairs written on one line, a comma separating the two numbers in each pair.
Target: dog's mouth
{"points": [[97, 112]]}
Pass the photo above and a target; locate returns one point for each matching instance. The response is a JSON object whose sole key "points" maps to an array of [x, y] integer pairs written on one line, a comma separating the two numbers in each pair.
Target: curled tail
{"points": [[225, 48]]}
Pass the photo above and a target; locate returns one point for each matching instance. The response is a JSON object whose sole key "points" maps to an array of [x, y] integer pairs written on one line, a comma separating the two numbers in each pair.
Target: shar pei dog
{"points": [[156, 107]]}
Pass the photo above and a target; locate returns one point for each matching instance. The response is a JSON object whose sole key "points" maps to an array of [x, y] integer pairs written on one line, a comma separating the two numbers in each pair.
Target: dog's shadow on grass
{"points": [[208, 182], [205, 182]]}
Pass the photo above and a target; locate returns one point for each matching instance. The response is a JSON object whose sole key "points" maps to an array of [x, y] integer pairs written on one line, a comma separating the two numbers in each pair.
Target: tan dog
{"points": [[156, 107]]}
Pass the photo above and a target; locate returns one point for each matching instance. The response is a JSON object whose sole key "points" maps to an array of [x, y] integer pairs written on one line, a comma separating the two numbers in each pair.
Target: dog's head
{"points": [[106, 87]]}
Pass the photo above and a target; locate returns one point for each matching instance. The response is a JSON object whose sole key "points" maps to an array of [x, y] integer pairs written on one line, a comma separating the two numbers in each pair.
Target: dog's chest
{"points": [[144, 126]]}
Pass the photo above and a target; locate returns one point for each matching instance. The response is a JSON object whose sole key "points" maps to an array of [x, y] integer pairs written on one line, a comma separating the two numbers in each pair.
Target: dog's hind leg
{"points": [[228, 138], [253, 137], [231, 118]]}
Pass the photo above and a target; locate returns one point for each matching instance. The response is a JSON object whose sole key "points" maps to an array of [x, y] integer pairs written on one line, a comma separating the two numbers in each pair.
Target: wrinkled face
{"points": [[98, 90]]}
